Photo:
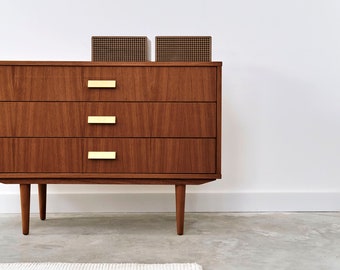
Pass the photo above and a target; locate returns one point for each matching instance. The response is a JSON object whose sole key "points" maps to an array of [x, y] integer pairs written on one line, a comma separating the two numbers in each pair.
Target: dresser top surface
{"points": [[110, 64]]}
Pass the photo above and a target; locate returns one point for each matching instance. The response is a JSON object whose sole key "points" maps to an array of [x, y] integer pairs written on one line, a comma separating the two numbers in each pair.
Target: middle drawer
{"points": [[130, 119]]}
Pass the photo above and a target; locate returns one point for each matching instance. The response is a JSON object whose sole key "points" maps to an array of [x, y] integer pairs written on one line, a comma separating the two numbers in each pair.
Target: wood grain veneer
{"points": [[183, 155], [134, 155], [134, 119], [41, 119], [33, 155], [44, 83]]}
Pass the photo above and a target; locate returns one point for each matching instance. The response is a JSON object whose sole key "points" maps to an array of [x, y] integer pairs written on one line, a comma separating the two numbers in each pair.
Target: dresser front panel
{"points": [[41, 155], [154, 83], [167, 120], [132, 156], [40, 83], [153, 156], [62, 155], [41, 119], [183, 120], [183, 155], [133, 119], [153, 119], [45, 83], [7, 160]]}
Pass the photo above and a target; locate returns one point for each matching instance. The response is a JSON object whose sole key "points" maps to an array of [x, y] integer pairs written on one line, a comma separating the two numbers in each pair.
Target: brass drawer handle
{"points": [[101, 120], [101, 83], [101, 155]]}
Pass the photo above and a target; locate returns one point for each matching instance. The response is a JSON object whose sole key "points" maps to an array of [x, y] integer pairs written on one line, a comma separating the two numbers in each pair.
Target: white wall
{"points": [[281, 94]]}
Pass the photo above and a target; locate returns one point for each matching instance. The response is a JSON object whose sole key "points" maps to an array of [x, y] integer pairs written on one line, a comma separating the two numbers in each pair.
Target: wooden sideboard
{"points": [[109, 123]]}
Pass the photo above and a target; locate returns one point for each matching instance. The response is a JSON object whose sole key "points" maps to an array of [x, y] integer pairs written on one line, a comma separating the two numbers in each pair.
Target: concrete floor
{"points": [[220, 241]]}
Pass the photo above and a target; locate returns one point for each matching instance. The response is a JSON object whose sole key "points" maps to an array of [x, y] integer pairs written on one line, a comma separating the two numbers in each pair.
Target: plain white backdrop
{"points": [[281, 95]]}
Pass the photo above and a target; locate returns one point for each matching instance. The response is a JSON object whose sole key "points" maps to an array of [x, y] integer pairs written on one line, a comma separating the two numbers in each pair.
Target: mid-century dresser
{"points": [[155, 123]]}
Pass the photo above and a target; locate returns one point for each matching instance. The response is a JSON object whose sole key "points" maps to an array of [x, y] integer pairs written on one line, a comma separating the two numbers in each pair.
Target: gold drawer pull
{"points": [[101, 155], [101, 84], [101, 120]]}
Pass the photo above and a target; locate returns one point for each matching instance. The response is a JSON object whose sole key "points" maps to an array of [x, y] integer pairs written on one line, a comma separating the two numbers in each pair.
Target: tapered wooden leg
{"points": [[42, 188], [180, 208], [25, 197]]}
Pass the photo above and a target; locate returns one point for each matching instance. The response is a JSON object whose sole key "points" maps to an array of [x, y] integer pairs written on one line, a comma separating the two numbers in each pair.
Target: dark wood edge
{"points": [[109, 181], [219, 120], [109, 64], [6, 176]]}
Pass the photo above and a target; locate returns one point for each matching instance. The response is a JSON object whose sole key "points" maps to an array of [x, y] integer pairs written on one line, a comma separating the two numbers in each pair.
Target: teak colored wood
{"points": [[167, 128]]}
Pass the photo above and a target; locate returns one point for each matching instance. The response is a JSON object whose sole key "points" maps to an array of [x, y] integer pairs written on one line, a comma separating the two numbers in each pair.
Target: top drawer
{"points": [[70, 83]]}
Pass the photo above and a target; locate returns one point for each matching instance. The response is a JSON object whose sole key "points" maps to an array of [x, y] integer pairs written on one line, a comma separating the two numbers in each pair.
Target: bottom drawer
{"points": [[130, 155], [48, 155], [152, 156], [183, 155]]}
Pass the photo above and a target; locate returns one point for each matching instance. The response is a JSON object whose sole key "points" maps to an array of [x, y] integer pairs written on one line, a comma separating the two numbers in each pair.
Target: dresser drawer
{"points": [[66, 83], [183, 155], [153, 119], [154, 84], [131, 156], [40, 83], [132, 119], [40, 155], [183, 119], [152, 156], [71, 119], [41, 119], [62, 155], [7, 160]]}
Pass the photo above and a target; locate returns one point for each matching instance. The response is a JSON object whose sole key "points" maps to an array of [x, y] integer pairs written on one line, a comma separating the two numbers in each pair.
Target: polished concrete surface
{"points": [[217, 241]]}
